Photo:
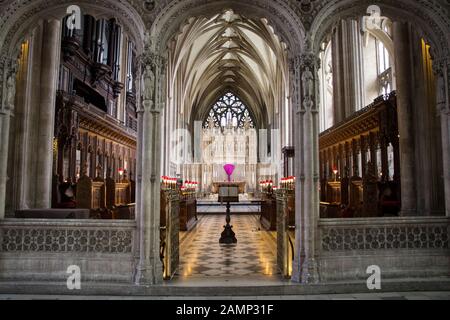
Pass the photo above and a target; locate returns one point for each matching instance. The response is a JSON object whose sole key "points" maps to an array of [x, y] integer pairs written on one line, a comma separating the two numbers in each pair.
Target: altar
{"points": [[216, 186]]}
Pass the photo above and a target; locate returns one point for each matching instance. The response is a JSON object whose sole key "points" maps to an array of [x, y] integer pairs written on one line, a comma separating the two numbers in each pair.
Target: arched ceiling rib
{"points": [[227, 52]]}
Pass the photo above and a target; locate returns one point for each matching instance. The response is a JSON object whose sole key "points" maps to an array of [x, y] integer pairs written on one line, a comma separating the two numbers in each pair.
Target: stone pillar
{"points": [[140, 254], [149, 269], [305, 267], [442, 70], [403, 63], [445, 122], [299, 252], [348, 79], [51, 47], [4, 141], [8, 69]]}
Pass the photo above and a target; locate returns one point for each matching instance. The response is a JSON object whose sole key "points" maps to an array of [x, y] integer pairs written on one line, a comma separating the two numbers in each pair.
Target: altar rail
{"points": [[43, 249], [401, 247]]}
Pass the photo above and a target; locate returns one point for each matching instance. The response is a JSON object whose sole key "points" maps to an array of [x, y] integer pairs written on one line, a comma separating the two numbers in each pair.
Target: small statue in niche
{"points": [[308, 84], [11, 91], [149, 83]]}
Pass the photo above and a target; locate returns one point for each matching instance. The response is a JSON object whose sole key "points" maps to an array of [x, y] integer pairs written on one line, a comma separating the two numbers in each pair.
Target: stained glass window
{"points": [[229, 111]]}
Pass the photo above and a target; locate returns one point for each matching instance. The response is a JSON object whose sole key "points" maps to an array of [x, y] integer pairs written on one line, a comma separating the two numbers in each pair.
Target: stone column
{"points": [[348, 79], [4, 131], [299, 252], [140, 253], [149, 269], [8, 70], [445, 123], [403, 64], [51, 47], [442, 70], [305, 267]]}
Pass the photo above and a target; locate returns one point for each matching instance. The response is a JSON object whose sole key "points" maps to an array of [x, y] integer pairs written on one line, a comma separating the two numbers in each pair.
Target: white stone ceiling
{"points": [[212, 56]]}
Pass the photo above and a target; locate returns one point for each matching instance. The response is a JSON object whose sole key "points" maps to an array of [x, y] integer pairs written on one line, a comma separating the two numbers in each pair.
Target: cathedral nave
{"points": [[158, 143]]}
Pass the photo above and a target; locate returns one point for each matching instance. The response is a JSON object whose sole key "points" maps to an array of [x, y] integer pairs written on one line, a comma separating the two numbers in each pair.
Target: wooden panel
{"points": [[269, 212], [188, 214]]}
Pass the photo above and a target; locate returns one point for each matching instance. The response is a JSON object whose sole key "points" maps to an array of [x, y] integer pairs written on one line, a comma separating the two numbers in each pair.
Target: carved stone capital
{"points": [[156, 61], [309, 60]]}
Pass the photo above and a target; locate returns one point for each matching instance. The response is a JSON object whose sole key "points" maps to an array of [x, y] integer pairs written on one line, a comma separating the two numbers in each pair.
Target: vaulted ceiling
{"points": [[227, 53]]}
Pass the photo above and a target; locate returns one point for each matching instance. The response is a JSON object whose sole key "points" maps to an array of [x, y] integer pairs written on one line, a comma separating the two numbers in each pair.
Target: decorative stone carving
{"points": [[308, 87], [31, 239], [149, 83], [153, 87], [11, 91], [8, 67], [442, 71], [402, 236], [308, 65], [149, 5]]}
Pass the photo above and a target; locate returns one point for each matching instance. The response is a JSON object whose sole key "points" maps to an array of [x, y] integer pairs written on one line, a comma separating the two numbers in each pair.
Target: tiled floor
{"points": [[201, 255]]}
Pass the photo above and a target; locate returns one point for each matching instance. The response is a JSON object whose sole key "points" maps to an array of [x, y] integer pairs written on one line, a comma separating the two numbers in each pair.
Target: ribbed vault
{"points": [[227, 53]]}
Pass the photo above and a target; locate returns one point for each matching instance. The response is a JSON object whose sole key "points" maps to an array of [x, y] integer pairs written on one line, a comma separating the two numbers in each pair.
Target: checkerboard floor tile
{"points": [[201, 255]]}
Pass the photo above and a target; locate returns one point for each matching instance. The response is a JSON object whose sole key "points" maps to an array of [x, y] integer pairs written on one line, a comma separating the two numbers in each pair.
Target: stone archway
{"points": [[18, 19], [303, 74], [432, 22]]}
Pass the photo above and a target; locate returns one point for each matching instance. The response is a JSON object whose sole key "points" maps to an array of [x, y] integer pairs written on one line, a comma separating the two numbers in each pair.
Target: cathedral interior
{"points": [[183, 142]]}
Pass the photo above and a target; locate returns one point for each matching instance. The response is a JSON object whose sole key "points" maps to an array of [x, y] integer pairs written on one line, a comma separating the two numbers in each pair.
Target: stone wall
{"points": [[401, 247], [43, 249]]}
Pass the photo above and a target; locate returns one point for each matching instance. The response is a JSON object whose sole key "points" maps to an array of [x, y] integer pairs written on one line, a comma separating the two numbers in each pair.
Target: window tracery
{"points": [[229, 111]]}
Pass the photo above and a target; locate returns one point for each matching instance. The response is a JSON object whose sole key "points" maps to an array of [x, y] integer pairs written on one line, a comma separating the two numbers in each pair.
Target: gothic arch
{"points": [[432, 19], [19, 17], [261, 119], [285, 22]]}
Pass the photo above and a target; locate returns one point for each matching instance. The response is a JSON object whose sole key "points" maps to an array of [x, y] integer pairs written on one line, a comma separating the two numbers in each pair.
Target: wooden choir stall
{"points": [[169, 232], [94, 145], [360, 165], [178, 212]]}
